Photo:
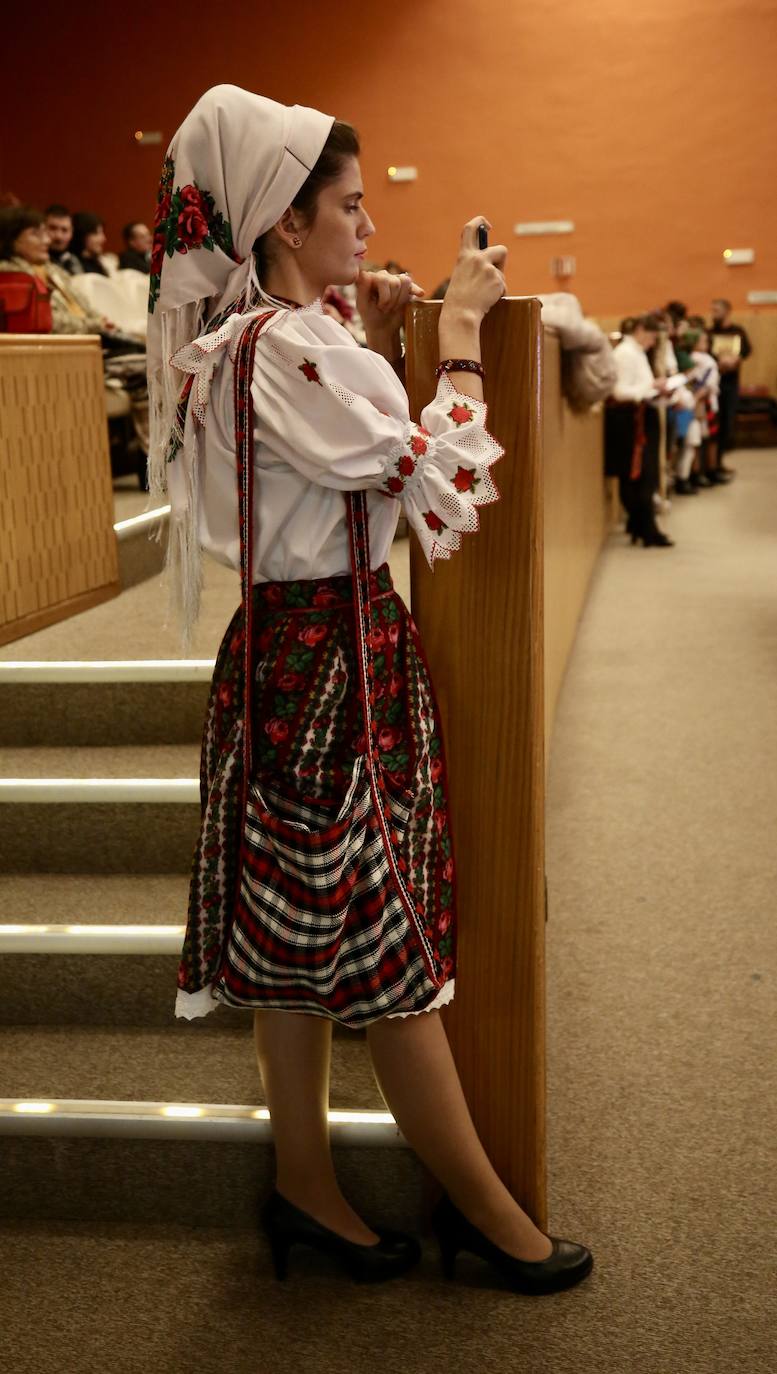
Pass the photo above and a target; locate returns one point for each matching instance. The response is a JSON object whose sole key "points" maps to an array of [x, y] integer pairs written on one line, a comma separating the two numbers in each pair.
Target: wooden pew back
{"points": [[480, 618]]}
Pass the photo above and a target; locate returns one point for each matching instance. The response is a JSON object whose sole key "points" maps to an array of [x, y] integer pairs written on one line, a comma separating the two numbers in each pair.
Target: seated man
{"points": [[59, 223], [137, 252]]}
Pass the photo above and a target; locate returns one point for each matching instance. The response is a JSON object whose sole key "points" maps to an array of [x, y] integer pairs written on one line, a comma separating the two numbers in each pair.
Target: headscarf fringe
{"points": [[175, 481]]}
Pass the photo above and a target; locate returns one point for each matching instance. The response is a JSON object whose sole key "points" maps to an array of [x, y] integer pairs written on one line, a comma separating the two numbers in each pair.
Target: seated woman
{"points": [[24, 247], [88, 242]]}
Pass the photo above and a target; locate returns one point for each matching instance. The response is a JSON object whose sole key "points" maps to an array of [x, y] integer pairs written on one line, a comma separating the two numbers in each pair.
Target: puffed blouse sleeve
{"points": [[338, 415]]}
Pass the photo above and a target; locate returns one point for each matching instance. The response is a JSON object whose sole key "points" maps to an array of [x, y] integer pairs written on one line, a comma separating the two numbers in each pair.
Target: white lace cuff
{"points": [[440, 470]]}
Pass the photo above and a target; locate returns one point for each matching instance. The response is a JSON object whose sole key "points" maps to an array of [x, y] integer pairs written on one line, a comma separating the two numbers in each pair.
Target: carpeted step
{"points": [[185, 1181], [193, 1163], [133, 809], [188, 1061], [103, 703], [141, 551], [48, 925]]}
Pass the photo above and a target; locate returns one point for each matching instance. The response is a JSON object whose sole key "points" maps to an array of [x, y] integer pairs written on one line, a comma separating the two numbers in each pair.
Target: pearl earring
{"points": [[297, 243]]}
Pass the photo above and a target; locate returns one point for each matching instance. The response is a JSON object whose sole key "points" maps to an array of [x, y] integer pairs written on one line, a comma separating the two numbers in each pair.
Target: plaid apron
{"points": [[323, 879]]}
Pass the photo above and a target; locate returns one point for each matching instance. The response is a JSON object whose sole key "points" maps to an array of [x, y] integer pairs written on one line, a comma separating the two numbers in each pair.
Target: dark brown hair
{"points": [[14, 219], [342, 143], [84, 224]]}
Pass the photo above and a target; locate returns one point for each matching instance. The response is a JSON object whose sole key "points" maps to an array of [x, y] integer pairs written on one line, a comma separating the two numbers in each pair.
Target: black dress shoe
{"points": [[656, 539], [566, 1265], [682, 487], [286, 1225], [700, 479], [719, 476]]}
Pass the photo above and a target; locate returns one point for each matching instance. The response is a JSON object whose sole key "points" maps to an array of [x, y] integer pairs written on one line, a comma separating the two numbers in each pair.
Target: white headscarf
{"points": [[235, 164]]}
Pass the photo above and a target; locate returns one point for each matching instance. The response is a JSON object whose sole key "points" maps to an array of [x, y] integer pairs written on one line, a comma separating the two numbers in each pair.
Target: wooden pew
{"points": [[57, 545], [578, 515], [480, 617]]}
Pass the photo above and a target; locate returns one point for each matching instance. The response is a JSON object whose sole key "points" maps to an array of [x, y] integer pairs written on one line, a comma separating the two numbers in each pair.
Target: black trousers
{"points": [[728, 401], [636, 494]]}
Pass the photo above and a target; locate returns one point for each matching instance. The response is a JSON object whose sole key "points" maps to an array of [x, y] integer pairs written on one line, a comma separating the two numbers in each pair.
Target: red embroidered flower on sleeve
{"points": [[419, 445], [406, 465], [309, 371], [434, 522], [465, 479], [460, 414], [395, 485]]}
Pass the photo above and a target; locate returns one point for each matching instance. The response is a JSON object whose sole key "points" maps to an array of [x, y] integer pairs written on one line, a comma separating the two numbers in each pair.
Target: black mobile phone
{"points": [[482, 236]]}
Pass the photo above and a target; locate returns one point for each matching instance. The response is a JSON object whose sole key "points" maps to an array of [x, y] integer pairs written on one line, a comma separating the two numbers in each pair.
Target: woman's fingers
{"points": [[496, 255], [469, 234]]}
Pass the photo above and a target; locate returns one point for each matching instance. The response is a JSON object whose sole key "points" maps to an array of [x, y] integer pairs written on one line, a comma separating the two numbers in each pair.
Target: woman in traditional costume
{"points": [[323, 880]]}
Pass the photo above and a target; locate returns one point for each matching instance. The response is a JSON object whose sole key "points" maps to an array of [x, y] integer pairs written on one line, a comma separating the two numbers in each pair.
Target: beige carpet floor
{"points": [[662, 969]]}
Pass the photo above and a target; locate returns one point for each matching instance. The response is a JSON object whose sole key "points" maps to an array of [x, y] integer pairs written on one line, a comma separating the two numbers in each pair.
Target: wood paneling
{"points": [[57, 545], [480, 618], [576, 518]]}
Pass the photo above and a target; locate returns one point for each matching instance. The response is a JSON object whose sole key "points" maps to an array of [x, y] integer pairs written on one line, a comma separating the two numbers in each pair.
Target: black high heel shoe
{"points": [[286, 1225], [566, 1265]]}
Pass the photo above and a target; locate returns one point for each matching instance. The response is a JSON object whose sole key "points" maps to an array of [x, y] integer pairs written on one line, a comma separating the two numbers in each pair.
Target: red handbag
{"points": [[25, 305]]}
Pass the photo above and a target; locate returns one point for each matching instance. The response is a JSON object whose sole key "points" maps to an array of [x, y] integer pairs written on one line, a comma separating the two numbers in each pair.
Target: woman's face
{"points": [[33, 245], [95, 243], [335, 246]]}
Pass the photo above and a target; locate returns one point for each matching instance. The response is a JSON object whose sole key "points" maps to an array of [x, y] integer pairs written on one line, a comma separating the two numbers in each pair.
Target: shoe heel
{"points": [[448, 1252], [279, 1249]]}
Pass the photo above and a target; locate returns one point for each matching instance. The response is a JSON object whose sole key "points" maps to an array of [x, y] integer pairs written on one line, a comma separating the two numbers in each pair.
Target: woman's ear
{"points": [[288, 229]]}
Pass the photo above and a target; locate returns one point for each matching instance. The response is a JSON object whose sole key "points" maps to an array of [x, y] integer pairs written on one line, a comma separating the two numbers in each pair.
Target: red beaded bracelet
{"points": [[459, 365]]}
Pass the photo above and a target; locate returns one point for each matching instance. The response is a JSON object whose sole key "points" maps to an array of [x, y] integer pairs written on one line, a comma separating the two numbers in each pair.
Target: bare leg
{"points": [[294, 1051], [417, 1075]]}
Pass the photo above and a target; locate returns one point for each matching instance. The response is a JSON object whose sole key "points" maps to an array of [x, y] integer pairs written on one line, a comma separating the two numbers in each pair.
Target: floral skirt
{"points": [[361, 955]]}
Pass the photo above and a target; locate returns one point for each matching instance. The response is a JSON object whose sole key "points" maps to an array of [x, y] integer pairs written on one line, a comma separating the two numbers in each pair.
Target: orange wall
{"points": [[651, 126]]}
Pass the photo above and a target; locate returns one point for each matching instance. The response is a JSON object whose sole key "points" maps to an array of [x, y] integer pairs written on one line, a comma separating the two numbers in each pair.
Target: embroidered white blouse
{"points": [[331, 417]]}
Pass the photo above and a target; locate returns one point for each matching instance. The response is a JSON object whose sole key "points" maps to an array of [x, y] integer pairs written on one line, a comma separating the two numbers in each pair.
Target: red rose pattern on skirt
{"points": [[307, 734]]}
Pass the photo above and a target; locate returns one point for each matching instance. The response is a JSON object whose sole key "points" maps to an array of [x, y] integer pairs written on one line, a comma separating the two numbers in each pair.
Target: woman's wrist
{"points": [[458, 334]]}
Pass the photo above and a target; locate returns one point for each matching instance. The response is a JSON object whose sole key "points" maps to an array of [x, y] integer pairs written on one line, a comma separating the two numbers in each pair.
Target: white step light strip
{"points": [[134, 522], [21, 938], [48, 790], [179, 1121], [107, 670]]}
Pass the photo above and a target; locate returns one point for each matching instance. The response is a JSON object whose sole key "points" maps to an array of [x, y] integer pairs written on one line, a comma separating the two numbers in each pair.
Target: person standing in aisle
{"points": [[730, 346], [631, 431], [323, 881]]}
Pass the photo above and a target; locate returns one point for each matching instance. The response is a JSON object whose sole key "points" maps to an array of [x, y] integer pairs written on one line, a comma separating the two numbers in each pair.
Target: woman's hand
{"points": [[381, 298], [477, 281]]}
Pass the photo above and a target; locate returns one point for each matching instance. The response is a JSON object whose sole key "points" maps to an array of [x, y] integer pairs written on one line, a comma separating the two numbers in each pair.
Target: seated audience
{"points": [[89, 241], [24, 247], [137, 252], [59, 223]]}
